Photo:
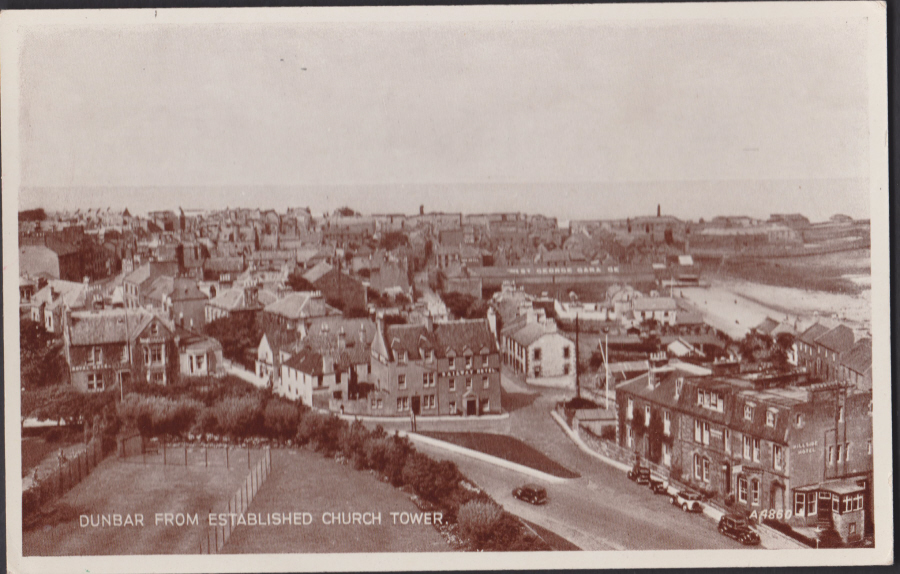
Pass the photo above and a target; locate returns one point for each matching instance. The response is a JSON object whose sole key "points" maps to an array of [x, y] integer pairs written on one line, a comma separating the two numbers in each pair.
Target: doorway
{"points": [[471, 406]]}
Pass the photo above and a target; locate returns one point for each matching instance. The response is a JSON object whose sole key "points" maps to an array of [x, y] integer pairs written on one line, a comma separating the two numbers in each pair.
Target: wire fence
{"points": [[50, 487], [217, 535], [194, 454]]}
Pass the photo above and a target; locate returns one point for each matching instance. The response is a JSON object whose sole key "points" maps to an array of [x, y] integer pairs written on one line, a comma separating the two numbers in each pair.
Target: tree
{"points": [[239, 416], [41, 355], [346, 212], [236, 333], [281, 419]]}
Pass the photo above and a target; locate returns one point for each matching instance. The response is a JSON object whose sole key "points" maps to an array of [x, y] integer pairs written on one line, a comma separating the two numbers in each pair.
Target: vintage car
{"points": [[739, 529], [639, 474], [688, 501], [659, 486], [531, 493]]}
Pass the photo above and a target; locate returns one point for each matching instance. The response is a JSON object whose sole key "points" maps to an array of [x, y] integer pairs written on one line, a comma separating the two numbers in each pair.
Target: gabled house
{"points": [[106, 348], [535, 348]]}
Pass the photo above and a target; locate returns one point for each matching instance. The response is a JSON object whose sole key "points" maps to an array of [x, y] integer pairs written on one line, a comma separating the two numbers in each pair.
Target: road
{"points": [[602, 510]]}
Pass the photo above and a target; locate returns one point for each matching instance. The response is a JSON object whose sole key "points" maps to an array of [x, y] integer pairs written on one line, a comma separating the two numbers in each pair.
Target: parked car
{"points": [[738, 528], [659, 486], [531, 493], [639, 474], [688, 501]]}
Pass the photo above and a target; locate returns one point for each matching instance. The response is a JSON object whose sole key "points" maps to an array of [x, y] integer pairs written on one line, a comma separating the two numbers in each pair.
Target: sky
{"points": [[571, 119]]}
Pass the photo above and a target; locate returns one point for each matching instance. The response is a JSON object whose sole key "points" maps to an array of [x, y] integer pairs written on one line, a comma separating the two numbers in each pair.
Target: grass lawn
{"points": [[131, 487], [507, 448], [554, 540], [302, 481]]}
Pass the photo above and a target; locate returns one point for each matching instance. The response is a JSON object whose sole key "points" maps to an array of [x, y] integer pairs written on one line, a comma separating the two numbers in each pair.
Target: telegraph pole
{"points": [[577, 381]]}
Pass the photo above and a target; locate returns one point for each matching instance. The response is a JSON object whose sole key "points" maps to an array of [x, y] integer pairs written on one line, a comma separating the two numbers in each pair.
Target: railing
{"points": [[46, 489], [215, 537]]}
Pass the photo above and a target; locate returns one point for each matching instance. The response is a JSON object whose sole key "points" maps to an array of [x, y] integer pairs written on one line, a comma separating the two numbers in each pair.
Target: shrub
{"points": [[353, 444], [477, 520], [159, 415], [434, 481], [281, 419], [239, 417], [322, 432]]}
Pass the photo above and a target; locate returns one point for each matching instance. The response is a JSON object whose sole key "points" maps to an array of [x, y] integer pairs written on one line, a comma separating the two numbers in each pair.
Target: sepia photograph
{"points": [[429, 288]]}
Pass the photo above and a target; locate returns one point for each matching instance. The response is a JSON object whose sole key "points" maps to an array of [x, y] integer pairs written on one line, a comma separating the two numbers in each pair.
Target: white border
{"points": [[11, 25]]}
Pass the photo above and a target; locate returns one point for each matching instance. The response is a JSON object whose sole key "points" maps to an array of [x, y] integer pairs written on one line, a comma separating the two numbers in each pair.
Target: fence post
{"points": [[227, 465], [185, 455], [164, 453], [248, 457], [206, 456]]}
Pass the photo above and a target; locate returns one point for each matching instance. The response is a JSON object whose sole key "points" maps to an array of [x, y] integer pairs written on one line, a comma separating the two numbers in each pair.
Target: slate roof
{"points": [[767, 325], [186, 290], [452, 338], [301, 305], [810, 335], [840, 339], [859, 359], [307, 361], [102, 327], [317, 272], [531, 333], [224, 264]]}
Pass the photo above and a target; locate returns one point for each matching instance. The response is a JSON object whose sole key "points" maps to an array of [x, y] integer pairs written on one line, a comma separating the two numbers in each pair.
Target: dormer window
{"points": [[748, 412], [469, 362], [770, 418], [154, 329], [96, 356], [798, 420]]}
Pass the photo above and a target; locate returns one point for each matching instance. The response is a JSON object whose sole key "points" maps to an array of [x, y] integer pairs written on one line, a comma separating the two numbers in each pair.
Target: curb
{"points": [[580, 443], [483, 457], [364, 418]]}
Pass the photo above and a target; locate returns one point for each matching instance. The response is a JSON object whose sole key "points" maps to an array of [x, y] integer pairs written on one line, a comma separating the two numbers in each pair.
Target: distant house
{"points": [[186, 304], [293, 309], [309, 374], [274, 348], [223, 269], [663, 310], [856, 365], [391, 279], [49, 304], [821, 349], [137, 283], [535, 348], [200, 356], [231, 301]]}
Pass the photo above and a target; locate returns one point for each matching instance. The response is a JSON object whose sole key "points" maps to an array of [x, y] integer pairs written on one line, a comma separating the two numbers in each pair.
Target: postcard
{"points": [[446, 288]]}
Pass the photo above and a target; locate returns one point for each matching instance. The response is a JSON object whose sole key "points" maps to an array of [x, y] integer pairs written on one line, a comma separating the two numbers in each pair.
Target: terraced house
{"points": [[438, 368], [788, 451]]}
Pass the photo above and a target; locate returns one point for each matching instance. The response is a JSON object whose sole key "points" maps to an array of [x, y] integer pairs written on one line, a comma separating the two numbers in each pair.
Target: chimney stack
{"points": [[651, 380], [429, 323]]}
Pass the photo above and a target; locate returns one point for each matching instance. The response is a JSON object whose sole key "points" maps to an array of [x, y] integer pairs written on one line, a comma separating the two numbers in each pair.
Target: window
{"points": [[469, 362], [706, 434], [701, 432], [486, 406], [125, 354], [95, 357], [714, 401], [537, 371], [754, 492], [646, 415], [679, 382], [830, 455], [770, 418], [452, 405], [537, 354], [870, 447], [726, 438], [699, 397], [756, 450], [667, 454], [452, 384], [157, 377], [836, 505], [94, 382], [199, 359], [798, 420], [840, 448], [748, 412], [428, 402], [841, 414], [428, 379], [777, 457], [154, 329], [402, 403], [847, 451], [705, 470], [698, 467], [629, 411], [629, 433], [156, 354], [566, 369], [742, 489], [566, 352], [800, 503], [811, 504], [748, 444], [401, 381], [486, 381], [468, 383], [667, 423]]}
